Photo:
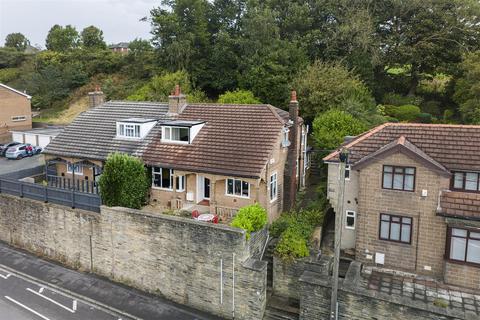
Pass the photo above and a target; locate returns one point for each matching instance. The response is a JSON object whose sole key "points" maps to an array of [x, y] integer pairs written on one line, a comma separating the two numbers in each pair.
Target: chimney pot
{"points": [[293, 96]]}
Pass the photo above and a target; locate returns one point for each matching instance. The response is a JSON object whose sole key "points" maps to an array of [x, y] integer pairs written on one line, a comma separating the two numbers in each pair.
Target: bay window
{"points": [[464, 245]]}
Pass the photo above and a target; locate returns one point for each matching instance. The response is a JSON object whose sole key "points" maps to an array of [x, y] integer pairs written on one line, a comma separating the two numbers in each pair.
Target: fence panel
{"points": [[71, 198]]}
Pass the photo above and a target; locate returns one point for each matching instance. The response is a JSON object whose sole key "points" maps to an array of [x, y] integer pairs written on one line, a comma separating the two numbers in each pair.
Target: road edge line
{"points": [[86, 300]]}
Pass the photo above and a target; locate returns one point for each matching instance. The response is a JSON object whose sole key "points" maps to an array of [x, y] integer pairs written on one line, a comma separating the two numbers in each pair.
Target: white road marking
{"points": [[41, 290], [74, 306], [51, 300], [5, 276], [26, 308]]}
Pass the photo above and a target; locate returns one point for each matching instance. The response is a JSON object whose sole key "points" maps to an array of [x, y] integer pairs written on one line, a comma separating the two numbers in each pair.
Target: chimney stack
{"points": [[290, 174], [176, 101], [96, 98]]}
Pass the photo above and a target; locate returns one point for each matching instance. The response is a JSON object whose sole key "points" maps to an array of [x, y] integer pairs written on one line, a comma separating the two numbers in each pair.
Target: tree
{"points": [[160, 87], [238, 97], [92, 38], [62, 39], [331, 127], [467, 90], [124, 181], [17, 41], [325, 85]]}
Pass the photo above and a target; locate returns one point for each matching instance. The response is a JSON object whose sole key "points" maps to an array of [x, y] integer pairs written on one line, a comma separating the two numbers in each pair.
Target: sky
{"points": [[119, 19]]}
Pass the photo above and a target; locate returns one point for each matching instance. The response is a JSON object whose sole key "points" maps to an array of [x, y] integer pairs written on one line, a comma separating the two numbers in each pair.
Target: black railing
{"points": [[67, 197], [79, 185]]}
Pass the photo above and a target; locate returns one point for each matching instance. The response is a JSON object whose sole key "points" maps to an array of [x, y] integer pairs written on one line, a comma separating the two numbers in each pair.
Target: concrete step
{"points": [[283, 307]]}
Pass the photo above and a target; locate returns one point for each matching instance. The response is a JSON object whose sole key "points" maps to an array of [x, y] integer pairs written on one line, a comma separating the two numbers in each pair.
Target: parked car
{"points": [[20, 151], [4, 147]]}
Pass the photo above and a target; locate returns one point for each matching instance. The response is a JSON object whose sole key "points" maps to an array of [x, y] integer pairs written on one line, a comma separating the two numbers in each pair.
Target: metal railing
{"points": [[72, 198]]}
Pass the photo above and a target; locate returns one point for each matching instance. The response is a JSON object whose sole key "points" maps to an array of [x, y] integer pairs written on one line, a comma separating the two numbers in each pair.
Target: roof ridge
{"points": [[447, 125], [362, 137]]}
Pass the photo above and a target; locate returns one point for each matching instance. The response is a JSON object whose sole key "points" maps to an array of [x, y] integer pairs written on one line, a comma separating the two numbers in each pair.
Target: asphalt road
{"points": [[24, 299], [8, 166], [97, 298]]}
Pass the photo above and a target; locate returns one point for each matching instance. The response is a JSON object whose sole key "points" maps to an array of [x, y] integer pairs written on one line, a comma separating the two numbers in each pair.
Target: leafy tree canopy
{"points": [[238, 96], [331, 127], [467, 89], [17, 41], [62, 38], [92, 38]]}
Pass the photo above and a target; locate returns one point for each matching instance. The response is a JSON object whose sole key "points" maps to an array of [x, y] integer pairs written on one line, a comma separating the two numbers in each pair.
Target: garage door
{"points": [[18, 137], [43, 141], [31, 138]]}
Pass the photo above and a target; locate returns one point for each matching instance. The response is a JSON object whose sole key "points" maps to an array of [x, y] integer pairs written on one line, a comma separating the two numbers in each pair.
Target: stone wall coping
{"points": [[349, 285], [162, 216]]}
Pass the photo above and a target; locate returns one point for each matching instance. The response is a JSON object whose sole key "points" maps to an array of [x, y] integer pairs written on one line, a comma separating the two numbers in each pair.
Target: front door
{"points": [[203, 188], [206, 188]]}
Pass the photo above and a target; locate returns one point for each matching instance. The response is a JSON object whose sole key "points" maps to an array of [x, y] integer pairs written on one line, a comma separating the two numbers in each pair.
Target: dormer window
{"points": [[285, 140], [176, 134], [179, 131], [134, 128]]}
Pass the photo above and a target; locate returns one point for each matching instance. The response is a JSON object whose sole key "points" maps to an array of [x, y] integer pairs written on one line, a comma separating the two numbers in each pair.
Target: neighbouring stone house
{"points": [[15, 111], [121, 47], [209, 157], [412, 199]]}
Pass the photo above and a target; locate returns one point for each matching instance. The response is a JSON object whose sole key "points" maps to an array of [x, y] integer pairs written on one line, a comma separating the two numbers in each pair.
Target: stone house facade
{"points": [[206, 157], [15, 111], [412, 200]]}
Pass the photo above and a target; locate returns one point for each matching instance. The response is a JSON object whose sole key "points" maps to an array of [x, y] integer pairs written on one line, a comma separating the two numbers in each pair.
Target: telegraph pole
{"points": [[338, 233]]}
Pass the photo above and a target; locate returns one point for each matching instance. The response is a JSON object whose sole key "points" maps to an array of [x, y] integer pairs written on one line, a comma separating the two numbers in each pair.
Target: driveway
{"points": [[9, 166]]}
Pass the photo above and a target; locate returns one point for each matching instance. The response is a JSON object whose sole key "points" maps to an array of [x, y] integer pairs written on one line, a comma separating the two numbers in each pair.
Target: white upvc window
{"points": [[176, 134], [162, 178], [237, 188], [347, 172], [285, 139], [351, 220], [19, 118], [128, 130], [77, 168], [273, 187]]}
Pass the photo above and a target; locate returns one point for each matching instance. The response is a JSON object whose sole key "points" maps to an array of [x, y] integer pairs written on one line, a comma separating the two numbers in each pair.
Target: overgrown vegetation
{"points": [[124, 182], [250, 218]]}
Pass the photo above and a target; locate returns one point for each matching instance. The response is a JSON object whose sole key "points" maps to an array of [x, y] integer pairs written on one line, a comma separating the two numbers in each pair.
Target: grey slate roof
{"points": [[92, 134]]}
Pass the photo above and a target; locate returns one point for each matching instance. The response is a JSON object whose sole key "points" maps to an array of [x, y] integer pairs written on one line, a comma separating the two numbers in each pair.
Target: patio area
{"points": [[422, 289]]}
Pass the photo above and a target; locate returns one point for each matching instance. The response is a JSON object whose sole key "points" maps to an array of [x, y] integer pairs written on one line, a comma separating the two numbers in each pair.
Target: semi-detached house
{"points": [[412, 199], [212, 157]]}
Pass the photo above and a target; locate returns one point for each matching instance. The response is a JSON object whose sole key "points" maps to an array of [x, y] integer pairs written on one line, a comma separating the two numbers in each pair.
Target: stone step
{"points": [[274, 314]]}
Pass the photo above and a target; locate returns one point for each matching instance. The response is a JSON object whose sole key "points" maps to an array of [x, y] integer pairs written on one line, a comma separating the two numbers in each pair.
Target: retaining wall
{"points": [[205, 266]]}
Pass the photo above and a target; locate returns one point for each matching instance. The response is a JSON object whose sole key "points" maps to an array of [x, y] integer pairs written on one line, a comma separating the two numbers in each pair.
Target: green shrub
{"points": [[250, 218], [9, 74], [292, 245], [124, 181], [399, 100], [403, 113], [280, 225], [425, 118], [432, 107]]}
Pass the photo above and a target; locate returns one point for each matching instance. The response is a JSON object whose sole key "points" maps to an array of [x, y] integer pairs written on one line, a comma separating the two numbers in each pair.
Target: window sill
{"points": [[273, 200], [166, 189], [463, 263], [76, 173], [404, 244], [175, 142], [235, 196]]}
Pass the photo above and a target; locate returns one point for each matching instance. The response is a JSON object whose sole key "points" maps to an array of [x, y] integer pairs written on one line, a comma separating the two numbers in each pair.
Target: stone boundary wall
{"points": [[286, 275], [205, 266], [360, 304]]}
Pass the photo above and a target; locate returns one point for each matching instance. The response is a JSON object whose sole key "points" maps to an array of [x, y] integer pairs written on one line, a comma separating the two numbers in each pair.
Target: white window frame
{"points": [[347, 168], [273, 185], [18, 118], [285, 137], [241, 188], [181, 180], [168, 137], [77, 167], [129, 130], [350, 213]]}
